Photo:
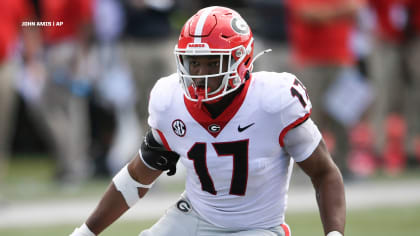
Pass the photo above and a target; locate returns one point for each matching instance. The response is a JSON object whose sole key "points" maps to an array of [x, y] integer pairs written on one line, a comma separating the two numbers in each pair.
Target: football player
{"points": [[238, 134]]}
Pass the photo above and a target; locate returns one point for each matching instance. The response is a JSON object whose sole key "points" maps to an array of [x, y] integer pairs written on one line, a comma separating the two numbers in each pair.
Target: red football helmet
{"points": [[215, 31]]}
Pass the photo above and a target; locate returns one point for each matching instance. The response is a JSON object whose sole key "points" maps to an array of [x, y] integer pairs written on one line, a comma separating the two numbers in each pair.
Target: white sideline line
{"points": [[301, 199]]}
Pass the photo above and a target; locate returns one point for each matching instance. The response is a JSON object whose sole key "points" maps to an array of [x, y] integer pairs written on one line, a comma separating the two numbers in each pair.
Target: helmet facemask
{"points": [[231, 80]]}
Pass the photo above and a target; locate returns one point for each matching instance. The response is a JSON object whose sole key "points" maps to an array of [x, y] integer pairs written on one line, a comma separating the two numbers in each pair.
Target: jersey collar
{"points": [[216, 125]]}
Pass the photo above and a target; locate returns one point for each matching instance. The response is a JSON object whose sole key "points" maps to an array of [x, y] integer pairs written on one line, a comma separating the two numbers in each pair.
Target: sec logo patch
{"points": [[179, 127]]}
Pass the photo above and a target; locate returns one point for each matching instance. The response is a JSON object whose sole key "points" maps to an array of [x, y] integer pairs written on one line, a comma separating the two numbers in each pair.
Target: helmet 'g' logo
{"points": [[214, 128], [179, 128], [239, 25]]}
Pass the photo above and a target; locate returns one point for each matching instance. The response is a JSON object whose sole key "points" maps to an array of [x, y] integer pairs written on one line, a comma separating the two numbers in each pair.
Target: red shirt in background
{"points": [[390, 18], [319, 43], [414, 8], [73, 14], [12, 14]]}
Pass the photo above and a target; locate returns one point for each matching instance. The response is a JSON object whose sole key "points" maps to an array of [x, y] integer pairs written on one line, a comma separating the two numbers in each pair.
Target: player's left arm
{"points": [[328, 183], [302, 139]]}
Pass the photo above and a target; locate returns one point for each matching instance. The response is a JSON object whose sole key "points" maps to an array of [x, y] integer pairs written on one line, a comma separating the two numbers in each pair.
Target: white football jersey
{"points": [[238, 171]]}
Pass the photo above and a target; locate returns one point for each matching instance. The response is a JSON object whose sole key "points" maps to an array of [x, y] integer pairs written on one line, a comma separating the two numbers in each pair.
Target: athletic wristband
{"points": [[334, 233], [82, 231]]}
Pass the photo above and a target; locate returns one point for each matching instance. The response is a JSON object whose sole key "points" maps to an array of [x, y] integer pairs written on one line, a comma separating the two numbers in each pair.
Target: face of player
{"points": [[207, 65]]}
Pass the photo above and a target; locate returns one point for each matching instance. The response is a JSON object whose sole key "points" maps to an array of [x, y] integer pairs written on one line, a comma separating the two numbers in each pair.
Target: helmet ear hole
{"points": [[247, 61], [247, 75]]}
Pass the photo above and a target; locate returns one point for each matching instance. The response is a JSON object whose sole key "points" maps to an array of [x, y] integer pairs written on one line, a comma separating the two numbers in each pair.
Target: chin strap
{"points": [[199, 103]]}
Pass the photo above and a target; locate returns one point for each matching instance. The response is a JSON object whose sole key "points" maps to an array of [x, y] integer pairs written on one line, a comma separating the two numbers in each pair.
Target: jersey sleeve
{"points": [[297, 106], [301, 141], [160, 100], [285, 98]]}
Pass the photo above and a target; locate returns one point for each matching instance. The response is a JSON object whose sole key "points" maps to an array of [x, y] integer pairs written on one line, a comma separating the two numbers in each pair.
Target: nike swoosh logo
{"points": [[240, 129]]}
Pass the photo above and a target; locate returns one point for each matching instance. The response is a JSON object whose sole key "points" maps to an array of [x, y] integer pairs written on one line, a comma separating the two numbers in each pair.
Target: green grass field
{"points": [[373, 222], [31, 180]]}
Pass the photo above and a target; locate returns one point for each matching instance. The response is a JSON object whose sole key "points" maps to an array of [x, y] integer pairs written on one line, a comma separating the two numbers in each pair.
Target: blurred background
{"points": [[75, 77]]}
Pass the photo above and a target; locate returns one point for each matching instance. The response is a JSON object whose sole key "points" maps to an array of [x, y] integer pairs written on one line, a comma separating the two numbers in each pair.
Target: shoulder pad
{"points": [[162, 92], [275, 88]]}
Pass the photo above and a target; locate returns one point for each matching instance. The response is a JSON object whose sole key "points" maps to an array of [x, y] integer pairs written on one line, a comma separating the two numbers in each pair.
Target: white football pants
{"points": [[181, 219]]}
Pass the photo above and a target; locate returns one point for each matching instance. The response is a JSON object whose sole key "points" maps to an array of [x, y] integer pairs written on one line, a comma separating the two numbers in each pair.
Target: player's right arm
{"points": [[113, 203], [129, 185]]}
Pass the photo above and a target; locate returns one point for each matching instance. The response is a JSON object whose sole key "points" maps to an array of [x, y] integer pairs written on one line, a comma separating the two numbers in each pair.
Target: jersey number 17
{"points": [[238, 150]]}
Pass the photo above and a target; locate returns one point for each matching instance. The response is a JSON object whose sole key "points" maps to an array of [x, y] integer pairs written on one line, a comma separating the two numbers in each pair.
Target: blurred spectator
{"points": [[320, 33], [115, 87], [63, 107], [148, 38], [236, 4], [395, 72], [413, 61], [271, 33], [14, 16], [362, 159]]}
